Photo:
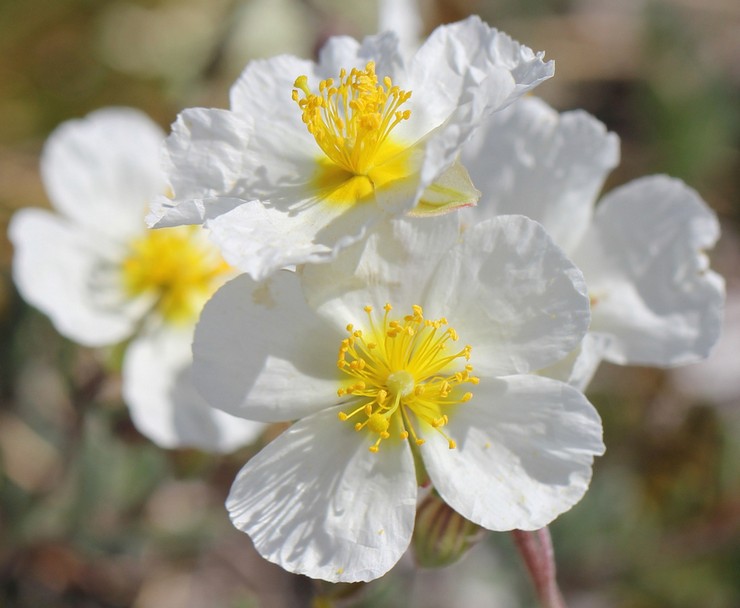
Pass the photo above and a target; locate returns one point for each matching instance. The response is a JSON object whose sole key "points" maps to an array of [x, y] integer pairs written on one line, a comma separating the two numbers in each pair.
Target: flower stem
{"points": [[537, 552]]}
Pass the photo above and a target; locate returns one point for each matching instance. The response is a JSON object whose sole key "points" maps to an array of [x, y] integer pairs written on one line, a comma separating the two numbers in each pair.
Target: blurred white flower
{"points": [[311, 155], [103, 277], [654, 300], [415, 346], [402, 17]]}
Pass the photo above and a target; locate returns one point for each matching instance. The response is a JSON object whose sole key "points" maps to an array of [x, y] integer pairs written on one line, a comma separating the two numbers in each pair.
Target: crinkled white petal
{"points": [[260, 239], [164, 405], [580, 365], [102, 170], [205, 157], [261, 353], [316, 502], [483, 70], [72, 276], [648, 276], [532, 161], [395, 265], [464, 53], [511, 294], [525, 447]]}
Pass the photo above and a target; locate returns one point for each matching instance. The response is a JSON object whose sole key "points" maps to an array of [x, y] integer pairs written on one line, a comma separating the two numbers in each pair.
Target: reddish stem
{"points": [[536, 551]]}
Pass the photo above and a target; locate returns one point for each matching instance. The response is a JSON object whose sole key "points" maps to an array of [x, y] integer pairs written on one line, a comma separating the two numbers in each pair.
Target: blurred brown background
{"points": [[93, 515]]}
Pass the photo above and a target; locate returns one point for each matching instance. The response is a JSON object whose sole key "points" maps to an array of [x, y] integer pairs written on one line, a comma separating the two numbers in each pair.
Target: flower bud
{"points": [[441, 535]]}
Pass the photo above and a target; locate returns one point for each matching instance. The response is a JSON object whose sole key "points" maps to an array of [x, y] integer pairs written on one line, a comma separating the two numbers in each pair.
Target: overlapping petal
{"points": [[211, 145], [525, 445], [648, 276], [316, 502], [508, 285], [655, 301], [163, 403], [262, 354], [532, 161], [503, 282]]}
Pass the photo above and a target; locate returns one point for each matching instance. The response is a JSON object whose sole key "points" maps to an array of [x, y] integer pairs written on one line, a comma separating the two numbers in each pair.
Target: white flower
{"points": [[654, 300], [103, 277], [312, 154], [417, 346]]}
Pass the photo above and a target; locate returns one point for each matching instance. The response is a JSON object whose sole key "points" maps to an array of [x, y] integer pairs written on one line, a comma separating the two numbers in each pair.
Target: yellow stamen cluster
{"points": [[351, 119], [401, 371], [174, 267]]}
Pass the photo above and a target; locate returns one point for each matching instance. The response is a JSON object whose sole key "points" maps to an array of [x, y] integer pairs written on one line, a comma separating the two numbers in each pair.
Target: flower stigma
{"points": [[402, 373], [175, 268], [351, 121]]}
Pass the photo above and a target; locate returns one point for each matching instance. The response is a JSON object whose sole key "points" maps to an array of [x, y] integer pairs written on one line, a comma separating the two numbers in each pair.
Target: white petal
{"points": [[394, 264], [263, 92], [532, 161], [511, 293], [164, 405], [101, 171], [525, 446], [261, 239], [72, 276], [317, 502], [262, 354], [482, 71], [403, 18], [580, 365], [206, 153], [464, 53], [648, 275]]}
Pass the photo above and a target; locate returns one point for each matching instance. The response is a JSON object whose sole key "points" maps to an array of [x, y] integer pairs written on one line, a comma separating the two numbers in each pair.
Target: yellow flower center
{"points": [[351, 121], [402, 372], [176, 267]]}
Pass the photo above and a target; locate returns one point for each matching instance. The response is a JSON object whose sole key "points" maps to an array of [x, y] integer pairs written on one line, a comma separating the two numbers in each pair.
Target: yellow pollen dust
{"points": [[351, 119], [403, 376], [176, 267]]}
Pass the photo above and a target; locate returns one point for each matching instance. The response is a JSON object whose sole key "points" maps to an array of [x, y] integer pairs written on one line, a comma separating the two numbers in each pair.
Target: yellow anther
{"points": [[352, 120], [302, 83], [406, 377], [368, 309], [342, 416], [378, 423], [452, 444]]}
